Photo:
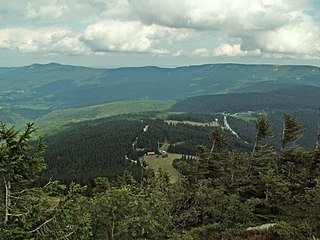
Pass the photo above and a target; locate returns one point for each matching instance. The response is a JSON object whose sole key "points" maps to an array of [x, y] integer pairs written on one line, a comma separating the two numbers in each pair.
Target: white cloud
{"points": [[202, 52], [218, 14], [269, 28], [279, 27], [45, 40], [47, 11], [299, 38], [130, 37], [227, 50]]}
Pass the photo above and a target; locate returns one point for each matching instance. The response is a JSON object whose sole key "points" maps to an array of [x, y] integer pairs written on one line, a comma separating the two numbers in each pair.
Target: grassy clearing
{"points": [[165, 164], [58, 118], [207, 124], [33, 107], [247, 116]]}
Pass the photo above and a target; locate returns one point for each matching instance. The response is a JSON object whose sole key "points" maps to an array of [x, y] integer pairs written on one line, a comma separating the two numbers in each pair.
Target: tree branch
{"points": [[43, 224]]}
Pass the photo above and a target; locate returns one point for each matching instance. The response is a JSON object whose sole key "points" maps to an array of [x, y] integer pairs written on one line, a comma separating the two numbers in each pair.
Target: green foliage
{"points": [[306, 97], [19, 160], [31, 212], [59, 118], [93, 149], [279, 231], [263, 129], [291, 131], [310, 206], [220, 194], [54, 86], [130, 211], [219, 141]]}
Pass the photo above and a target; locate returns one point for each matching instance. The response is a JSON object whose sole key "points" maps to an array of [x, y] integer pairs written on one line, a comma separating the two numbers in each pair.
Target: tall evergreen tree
{"points": [[291, 131], [219, 140], [36, 212], [19, 163], [263, 130]]}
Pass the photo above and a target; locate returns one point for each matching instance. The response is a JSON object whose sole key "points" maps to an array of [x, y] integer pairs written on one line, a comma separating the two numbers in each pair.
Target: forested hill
{"points": [[212, 78], [294, 98], [43, 88]]}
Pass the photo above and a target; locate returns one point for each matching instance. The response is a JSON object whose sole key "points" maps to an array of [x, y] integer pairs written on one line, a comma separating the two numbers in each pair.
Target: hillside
{"points": [[301, 102], [302, 97], [36, 90], [58, 118]]}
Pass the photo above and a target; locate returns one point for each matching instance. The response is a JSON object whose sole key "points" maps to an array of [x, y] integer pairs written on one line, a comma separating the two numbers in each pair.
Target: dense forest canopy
{"points": [[222, 193], [244, 142]]}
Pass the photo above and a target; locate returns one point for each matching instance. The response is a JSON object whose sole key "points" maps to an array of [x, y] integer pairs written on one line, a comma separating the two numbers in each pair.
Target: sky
{"points": [[168, 33]]}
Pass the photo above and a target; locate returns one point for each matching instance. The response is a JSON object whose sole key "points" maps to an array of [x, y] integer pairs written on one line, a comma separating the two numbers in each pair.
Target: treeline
{"points": [[225, 194], [301, 97], [196, 117], [90, 149], [104, 147], [229, 192], [80, 152], [182, 137]]}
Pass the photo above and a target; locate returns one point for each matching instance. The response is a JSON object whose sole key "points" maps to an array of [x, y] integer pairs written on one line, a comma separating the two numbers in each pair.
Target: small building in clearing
{"points": [[151, 153]]}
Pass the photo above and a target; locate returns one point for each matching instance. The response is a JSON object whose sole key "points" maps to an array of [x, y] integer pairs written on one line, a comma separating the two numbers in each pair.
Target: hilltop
{"points": [[30, 92]]}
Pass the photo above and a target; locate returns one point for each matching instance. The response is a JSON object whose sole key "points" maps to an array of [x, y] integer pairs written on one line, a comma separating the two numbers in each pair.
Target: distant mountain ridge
{"points": [[292, 98], [38, 89]]}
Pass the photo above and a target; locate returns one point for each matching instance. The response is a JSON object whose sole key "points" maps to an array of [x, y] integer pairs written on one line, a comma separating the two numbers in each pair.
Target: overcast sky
{"points": [[113, 33]]}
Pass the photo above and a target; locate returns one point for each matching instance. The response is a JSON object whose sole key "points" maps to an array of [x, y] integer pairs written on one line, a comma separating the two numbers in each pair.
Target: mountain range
{"points": [[31, 92]]}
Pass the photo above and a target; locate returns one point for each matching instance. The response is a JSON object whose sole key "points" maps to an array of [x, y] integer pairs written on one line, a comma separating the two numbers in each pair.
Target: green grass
{"points": [[247, 116], [33, 106], [58, 118], [165, 164], [207, 124]]}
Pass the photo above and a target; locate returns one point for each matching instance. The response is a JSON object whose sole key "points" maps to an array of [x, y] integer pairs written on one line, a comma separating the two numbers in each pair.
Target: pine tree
{"points": [[32, 212], [219, 141], [291, 131], [263, 130], [19, 163]]}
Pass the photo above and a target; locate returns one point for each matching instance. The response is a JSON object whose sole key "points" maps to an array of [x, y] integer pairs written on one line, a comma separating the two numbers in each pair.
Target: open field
{"points": [[58, 118], [207, 124], [165, 164]]}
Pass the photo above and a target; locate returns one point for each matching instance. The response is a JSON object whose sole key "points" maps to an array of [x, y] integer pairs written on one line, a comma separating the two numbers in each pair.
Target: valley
{"points": [[37, 90], [179, 105], [179, 143]]}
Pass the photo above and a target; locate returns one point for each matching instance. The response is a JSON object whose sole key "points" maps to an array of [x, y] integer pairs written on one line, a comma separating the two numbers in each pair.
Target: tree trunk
{"points": [[282, 136], [7, 184], [255, 145], [318, 134], [212, 148]]}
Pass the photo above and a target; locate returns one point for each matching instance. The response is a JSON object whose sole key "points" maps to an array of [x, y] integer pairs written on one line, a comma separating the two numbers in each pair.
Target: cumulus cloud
{"points": [[202, 52], [130, 36], [46, 40], [264, 26], [216, 15], [227, 50], [271, 28], [299, 37], [48, 11]]}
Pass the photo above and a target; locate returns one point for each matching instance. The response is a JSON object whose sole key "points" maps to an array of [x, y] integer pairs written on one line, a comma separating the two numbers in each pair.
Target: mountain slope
{"points": [[34, 91], [303, 97]]}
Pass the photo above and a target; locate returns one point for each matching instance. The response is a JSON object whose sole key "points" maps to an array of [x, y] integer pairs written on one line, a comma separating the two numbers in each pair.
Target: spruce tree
{"points": [[32, 212], [291, 131], [263, 130], [19, 163]]}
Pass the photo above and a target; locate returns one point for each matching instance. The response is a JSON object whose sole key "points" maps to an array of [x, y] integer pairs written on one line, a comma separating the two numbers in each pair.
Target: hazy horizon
{"points": [[119, 33]]}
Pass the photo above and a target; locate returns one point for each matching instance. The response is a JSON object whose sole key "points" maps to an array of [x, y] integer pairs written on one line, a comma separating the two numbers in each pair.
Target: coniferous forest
{"points": [[222, 192], [160, 120]]}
